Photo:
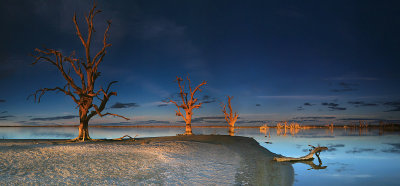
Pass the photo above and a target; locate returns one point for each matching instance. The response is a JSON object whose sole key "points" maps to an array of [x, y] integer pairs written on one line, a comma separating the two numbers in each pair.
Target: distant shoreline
{"points": [[133, 126], [394, 126]]}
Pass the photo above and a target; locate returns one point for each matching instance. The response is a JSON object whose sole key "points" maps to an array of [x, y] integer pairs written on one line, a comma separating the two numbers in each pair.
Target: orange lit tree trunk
{"points": [[83, 124], [188, 103], [85, 68], [84, 130], [230, 118], [188, 129]]}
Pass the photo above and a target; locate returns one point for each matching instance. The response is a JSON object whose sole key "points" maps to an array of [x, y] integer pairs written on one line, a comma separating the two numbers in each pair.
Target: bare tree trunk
{"points": [[231, 131], [84, 130], [188, 130], [83, 125]]}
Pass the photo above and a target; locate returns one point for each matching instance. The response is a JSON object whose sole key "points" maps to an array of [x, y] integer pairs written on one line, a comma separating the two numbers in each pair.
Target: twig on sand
{"points": [[126, 136]]}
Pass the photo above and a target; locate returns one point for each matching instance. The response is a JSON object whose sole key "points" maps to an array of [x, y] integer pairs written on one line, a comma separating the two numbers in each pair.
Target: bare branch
{"points": [[196, 89], [178, 113], [39, 93], [182, 91], [100, 55], [97, 110], [106, 97], [78, 31], [225, 114]]}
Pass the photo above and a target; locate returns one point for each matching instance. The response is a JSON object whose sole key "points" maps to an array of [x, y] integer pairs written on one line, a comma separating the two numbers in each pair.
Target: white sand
{"points": [[195, 160]]}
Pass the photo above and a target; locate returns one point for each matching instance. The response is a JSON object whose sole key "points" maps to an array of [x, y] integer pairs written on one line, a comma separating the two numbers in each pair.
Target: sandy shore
{"points": [[178, 160]]}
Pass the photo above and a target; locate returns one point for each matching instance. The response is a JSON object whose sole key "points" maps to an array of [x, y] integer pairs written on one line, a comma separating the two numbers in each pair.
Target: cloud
{"points": [[362, 104], [309, 97], [6, 117], [343, 90], [359, 119], [162, 105], [152, 122], [395, 148], [54, 118], [352, 77], [343, 84], [207, 99], [119, 105], [333, 147], [2, 100], [360, 150], [258, 105], [316, 117], [333, 106], [345, 87], [154, 29], [300, 108], [177, 98], [37, 123], [308, 104], [337, 108], [252, 121], [136, 123], [3, 112], [330, 104], [394, 104], [207, 118]]}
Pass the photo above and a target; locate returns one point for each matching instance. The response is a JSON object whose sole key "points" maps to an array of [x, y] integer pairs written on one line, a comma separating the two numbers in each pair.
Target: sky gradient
{"points": [[314, 62]]}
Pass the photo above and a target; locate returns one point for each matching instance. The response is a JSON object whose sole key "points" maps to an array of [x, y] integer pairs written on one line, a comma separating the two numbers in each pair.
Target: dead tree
{"points": [[83, 93], [230, 118], [188, 102]]}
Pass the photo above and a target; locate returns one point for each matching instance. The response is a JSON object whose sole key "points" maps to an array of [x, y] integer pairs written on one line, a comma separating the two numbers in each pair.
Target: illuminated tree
{"points": [[188, 103], [230, 118], [81, 86]]}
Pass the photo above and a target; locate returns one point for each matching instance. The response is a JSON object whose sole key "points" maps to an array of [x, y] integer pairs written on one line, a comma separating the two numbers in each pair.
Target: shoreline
{"points": [[393, 126], [198, 160]]}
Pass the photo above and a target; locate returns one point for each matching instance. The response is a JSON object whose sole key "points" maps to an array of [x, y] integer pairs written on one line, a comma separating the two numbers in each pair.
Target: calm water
{"points": [[354, 157]]}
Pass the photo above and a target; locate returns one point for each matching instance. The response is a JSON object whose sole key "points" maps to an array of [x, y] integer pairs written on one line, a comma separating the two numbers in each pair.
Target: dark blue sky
{"points": [[314, 62]]}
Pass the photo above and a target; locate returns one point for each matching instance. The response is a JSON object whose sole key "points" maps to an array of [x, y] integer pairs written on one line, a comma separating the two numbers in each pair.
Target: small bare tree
{"points": [[230, 118], [188, 103], [83, 93]]}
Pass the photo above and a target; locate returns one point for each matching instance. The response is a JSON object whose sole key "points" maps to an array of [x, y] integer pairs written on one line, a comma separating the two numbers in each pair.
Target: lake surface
{"points": [[355, 157]]}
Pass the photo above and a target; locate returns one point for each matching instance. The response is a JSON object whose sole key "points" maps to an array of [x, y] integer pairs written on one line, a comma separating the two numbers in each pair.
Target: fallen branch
{"points": [[126, 136], [310, 156]]}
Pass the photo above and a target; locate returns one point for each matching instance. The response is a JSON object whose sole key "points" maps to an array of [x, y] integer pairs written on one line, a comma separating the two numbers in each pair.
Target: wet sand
{"points": [[177, 160]]}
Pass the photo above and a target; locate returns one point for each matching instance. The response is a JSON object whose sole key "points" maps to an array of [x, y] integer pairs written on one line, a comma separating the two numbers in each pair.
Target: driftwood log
{"points": [[310, 156], [125, 137]]}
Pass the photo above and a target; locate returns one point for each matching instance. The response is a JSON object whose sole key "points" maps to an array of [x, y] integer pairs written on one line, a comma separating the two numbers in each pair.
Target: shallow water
{"points": [[355, 157]]}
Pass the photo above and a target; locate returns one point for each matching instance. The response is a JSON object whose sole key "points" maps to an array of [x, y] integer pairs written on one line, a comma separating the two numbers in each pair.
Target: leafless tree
{"points": [[188, 102], [230, 118], [90, 101]]}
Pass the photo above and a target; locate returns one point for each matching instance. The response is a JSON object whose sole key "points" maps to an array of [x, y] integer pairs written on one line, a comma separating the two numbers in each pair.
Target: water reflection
{"points": [[312, 164]]}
